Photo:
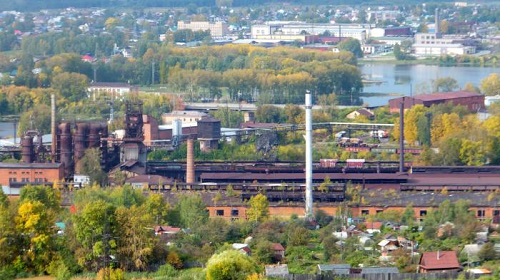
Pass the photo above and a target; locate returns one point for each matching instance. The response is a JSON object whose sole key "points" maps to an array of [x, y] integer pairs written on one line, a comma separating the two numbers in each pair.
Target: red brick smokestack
{"points": [[190, 163]]}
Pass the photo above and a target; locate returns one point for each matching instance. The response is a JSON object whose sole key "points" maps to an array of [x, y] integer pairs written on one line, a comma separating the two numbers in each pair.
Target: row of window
{"points": [[25, 172], [233, 212], [26, 180], [480, 213]]}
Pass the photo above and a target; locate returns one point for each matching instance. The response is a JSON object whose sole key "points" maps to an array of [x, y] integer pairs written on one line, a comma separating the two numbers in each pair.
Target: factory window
{"points": [[12, 180], [378, 211], [480, 213], [423, 213], [495, 213], [365, 212], [234, 212], [24, 180], [220, 212]]}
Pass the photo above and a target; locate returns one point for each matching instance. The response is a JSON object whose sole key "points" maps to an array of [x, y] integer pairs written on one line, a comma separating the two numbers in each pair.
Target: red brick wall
{"points": [[31, 174]]}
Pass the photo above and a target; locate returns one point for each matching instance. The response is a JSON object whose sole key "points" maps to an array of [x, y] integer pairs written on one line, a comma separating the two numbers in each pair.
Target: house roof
{"points": [[166, 229], [277, 269], [365, 112], [337, 269], [439, 260], [149, 179], [374, 270], [446, 95], [277, 247]]}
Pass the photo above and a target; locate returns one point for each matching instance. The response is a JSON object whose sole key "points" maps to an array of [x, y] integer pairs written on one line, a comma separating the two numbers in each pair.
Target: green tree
{"points": [[263, 251], [258, 208], [445, 84], [191, 211], [72, 86], [230, 265], [269, 114], [90, 165], [38, 118], [136, 242], [352, 45]]}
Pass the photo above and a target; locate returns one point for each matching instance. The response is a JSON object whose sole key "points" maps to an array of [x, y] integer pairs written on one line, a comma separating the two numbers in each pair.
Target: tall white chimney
{"points": [[308, 159]]}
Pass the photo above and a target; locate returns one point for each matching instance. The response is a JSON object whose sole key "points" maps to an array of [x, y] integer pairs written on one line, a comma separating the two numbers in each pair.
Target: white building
{"points": [[218, 29], [431, 44]]}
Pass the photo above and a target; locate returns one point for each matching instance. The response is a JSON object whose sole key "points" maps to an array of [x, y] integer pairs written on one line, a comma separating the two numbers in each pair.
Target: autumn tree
{"points": [[230, 264], [36, 223], [490, 86], [258, 208]]}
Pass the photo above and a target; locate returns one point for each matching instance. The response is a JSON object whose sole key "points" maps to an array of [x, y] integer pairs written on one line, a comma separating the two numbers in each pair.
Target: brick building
{"points": [[471, 100], [13, 176]]}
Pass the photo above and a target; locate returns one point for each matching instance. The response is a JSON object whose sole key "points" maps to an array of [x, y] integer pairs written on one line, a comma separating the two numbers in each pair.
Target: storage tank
{"points": [[79, 139], [66, 142], [94, 135]]}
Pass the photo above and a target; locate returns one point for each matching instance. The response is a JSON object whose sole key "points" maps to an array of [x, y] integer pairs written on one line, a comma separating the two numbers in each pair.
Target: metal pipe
{"points": [[308, 167]]}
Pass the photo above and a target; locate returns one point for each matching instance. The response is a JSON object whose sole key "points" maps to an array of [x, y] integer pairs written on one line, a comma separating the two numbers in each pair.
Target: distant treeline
{"points": [[35, 5]]}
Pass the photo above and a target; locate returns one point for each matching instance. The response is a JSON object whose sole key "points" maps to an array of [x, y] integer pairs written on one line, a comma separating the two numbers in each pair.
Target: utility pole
{"points": [[153, 63]]}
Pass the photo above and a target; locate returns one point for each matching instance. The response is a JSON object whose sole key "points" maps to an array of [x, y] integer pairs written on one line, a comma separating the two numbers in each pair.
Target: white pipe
{"points": [[308, 158]]}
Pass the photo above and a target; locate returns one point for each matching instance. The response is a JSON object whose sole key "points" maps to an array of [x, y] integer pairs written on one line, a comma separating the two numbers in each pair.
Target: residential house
{"points": [[373, 227], [166, 230], [387, 246], [242, 247], [278, 251], [440, 261]]}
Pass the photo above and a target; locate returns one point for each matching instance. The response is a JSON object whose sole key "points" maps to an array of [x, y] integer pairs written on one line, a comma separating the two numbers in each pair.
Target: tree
{"points": [[38, 118], [230, 265], [90, 164], [490, 86], [135, 243], [487, 252], [263, 251], [72, 86], [191, 211], [258, 208], [35, 224], [352, 45], [445, 84], [269, 114]]}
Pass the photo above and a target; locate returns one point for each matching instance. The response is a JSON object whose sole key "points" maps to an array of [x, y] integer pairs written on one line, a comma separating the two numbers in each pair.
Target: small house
{"points": [[440, 261]]}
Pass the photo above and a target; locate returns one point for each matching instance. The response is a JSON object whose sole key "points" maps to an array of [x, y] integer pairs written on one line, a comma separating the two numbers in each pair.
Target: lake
{"points": [[390, 80]]}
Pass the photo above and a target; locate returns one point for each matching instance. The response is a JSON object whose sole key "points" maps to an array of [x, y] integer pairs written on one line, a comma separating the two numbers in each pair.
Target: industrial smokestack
{"points": [[190, 163], [53, 130], [308, 167], [401, 165], [437, 27]]}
